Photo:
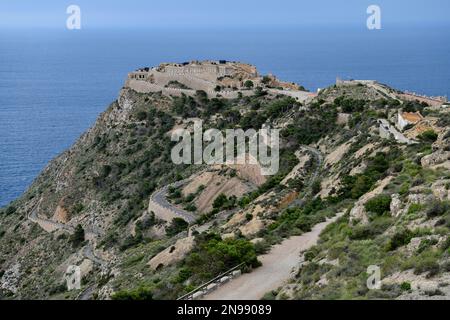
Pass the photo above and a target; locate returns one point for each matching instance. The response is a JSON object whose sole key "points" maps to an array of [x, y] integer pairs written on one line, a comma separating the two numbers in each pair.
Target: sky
{"points": [[212, 13]]}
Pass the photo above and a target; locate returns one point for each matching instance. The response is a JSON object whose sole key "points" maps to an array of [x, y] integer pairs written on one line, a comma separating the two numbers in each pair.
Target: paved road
{"points": [[50, 225], [160, 198], [277, 267], [46, 224]]}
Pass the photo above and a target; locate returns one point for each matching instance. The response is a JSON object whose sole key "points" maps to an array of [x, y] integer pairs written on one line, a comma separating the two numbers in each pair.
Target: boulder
{"points": [[396, 205]]}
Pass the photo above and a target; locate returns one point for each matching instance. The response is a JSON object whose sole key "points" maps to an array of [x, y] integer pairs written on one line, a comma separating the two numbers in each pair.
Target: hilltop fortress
{"points": [[216, 78]]}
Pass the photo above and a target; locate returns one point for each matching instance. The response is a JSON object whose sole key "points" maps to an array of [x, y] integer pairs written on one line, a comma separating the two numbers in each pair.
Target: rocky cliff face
{"points": [[90, 206]]}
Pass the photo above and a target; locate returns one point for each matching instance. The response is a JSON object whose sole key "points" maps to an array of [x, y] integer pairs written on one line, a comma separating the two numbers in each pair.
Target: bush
{"points": [[220, 200], [77, 238], [131, 241], [224, 203], [427, 263], [371, 230], [428, 136], [178, 225], [191, 207], [425, 244], [379, 204], [183, 275], [141, 116], [446, 243], [400, 239], [10, 210], [138, 294], [248, 84], [405, 286], [78, 208], [438, 208], [212, 256]]}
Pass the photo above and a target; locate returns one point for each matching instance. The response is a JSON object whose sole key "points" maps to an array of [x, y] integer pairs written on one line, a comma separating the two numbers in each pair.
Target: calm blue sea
{"points": [[53, 84]]}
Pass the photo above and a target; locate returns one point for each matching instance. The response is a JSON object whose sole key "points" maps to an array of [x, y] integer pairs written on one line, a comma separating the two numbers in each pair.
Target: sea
{"points": [[55, 83]]}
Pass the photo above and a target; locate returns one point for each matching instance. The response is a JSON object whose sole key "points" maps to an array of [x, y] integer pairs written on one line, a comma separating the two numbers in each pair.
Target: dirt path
{"points": [[277, 267]]}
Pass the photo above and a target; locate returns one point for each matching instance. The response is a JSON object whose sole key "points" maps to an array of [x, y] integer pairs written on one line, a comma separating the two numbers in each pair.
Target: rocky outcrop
{"points": [[437, 159], [441, 189], [61, 215], [10, 279], [396, 205]]}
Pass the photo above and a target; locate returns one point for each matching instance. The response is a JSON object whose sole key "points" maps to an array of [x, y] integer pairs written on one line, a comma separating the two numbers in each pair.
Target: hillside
{"points": [[142, 227]]}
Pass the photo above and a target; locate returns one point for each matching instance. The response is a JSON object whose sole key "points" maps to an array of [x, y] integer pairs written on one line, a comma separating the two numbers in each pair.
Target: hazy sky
{"points": [[201, 13]]}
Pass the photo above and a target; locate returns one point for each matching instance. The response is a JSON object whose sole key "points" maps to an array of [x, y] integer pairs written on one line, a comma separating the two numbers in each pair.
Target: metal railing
{"points": [[217, 281]]}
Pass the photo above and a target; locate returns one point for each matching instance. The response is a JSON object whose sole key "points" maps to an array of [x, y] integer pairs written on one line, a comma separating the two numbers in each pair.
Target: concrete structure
{"points": [[216, 78], [196, 75], [213, 285], [408, 118], [387, 131], [340, 82], [432, 101]]}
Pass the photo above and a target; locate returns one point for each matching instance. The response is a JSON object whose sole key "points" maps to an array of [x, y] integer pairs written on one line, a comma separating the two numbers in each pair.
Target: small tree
{"points": [[428, 136], [220, 201], [10, 210], [178, 225], [248, 84], [266, 80], [379, 205], [78, 236]]}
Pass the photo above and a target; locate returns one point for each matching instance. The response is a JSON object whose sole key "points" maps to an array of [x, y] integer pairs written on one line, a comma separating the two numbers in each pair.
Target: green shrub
{"points": [[371, 230], [77, 238], [414, 208], [379, 204], [425, 244], [177, 225], [131, 241], [220, 200], [191, 207], [140, 293], [405, 286], [428, 136], [212, 256], [248, 84], [427, 264], [10, 210], [223, 203], [183, 275], [446, 243], [78, 208], [438, 208], [399, 239]]}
